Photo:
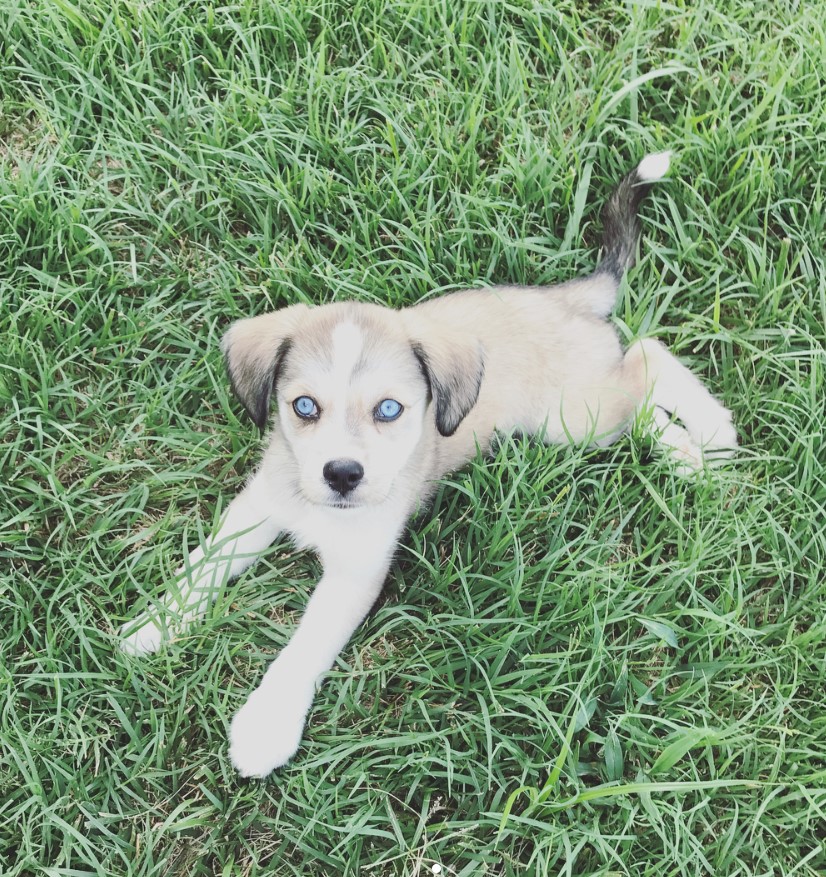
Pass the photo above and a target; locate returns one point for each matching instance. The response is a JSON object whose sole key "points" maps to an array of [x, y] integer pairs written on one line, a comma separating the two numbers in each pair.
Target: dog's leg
{"points": [[246, 530], [266, 731], [663, 380]]}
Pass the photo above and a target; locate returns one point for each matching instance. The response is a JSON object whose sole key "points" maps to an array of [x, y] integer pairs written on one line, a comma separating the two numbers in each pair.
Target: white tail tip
{"points": [[654, 167]]}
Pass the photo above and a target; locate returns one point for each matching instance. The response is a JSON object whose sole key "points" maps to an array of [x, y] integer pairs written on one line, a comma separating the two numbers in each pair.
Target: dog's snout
{"points": [[343, 475]]}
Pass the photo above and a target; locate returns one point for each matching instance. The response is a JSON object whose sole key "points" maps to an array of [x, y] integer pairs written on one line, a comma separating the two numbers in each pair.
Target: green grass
{"points": [[582, 664]]}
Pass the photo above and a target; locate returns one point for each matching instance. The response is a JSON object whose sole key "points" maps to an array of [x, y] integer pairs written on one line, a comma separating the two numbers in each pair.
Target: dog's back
{"points": [[553, 365]]}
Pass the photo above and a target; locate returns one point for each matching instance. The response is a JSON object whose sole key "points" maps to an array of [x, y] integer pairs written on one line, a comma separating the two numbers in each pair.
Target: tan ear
{"points": [[253, 351], [454, 368]]}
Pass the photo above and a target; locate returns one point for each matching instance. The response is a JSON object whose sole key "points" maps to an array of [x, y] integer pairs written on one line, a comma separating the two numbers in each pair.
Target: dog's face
{"points": [[354, 392], [351, 403]]}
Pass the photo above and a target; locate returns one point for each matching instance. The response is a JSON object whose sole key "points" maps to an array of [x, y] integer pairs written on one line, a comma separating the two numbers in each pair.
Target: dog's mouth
{"points": [[342, 502], [363, 496], [322, 497], [333, 502]]}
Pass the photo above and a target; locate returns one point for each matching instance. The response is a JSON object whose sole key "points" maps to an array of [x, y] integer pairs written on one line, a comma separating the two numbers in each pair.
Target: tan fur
{"points": [[343, 479], [534, 360]]}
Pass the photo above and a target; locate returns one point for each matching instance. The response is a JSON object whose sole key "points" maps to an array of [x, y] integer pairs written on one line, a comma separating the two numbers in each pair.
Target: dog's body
{"points": [[375, 405]]}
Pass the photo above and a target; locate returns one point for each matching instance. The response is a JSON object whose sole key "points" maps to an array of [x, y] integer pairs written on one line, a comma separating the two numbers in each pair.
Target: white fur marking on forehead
{"points": [[348, 343]]}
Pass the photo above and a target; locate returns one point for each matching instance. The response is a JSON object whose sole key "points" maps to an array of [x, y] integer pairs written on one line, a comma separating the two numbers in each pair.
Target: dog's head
{"points": [[358, 393]]}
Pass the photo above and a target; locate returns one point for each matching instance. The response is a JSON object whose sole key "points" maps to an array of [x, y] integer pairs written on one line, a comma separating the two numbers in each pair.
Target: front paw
{"points": [[142, 636], [266, 731]]}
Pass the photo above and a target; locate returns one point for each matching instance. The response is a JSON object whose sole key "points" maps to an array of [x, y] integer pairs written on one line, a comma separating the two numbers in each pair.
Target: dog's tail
{"points": [[620, 221]]}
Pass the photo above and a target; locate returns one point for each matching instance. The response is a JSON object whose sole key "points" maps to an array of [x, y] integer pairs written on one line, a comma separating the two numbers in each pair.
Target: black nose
{"points": [[343, 475]]}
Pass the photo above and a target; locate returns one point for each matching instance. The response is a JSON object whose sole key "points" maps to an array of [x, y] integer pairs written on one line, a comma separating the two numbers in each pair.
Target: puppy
{"points": [[373, 406]]}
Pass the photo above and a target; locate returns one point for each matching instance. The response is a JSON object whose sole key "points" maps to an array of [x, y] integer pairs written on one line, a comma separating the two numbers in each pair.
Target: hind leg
{"points": [[660, 378]]}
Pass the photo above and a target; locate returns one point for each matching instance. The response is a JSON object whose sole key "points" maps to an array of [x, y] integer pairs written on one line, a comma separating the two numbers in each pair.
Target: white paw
{"points": [[142, 636], [688, 459], [693, 452], [687, 456], [720, 438], [709, 424], [266, 731]]}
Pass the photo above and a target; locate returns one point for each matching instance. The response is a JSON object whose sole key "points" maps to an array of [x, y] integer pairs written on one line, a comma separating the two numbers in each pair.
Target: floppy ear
{"points": [[454, 370], [253, 352]]}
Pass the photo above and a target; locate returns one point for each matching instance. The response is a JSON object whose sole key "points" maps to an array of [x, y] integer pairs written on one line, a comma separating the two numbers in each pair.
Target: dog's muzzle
{"points": [[343, 475]]}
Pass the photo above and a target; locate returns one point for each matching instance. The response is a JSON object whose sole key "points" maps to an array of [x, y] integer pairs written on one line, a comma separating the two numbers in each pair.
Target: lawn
{"points": [[582, 663]]}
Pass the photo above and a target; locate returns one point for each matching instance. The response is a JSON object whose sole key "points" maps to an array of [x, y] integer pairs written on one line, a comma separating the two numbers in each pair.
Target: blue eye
{"points": [[388, 409], [305, 407]]}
